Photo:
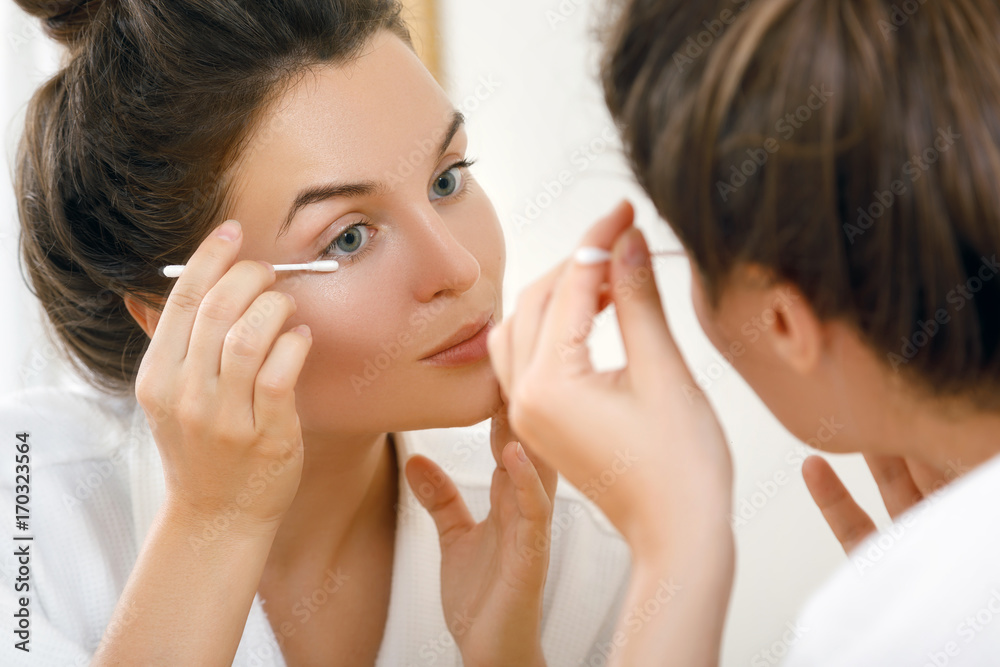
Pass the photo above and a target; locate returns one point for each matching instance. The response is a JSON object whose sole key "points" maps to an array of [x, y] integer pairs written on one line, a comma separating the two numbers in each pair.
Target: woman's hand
{"points": [[902, 482], [493, 572], [217, 385], [650, 455], [634, 439]]}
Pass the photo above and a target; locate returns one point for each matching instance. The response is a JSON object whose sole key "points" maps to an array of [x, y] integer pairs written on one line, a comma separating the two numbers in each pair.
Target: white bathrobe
{"points": [[96, 483]]}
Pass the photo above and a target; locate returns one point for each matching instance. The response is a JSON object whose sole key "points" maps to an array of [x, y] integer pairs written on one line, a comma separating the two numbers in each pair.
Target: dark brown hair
{"points": [[850, 147], [121, 166]]}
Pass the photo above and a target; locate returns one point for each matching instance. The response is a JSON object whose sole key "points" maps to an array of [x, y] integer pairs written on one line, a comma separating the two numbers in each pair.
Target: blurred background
{"points": [[524, 73]]}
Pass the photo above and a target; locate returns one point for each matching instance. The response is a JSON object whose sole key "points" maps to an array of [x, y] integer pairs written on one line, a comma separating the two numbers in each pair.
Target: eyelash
{"points": [[464, 165]]}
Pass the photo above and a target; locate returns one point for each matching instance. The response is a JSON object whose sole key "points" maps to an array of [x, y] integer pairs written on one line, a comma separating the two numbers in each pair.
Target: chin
{"points": [[462, 398]]}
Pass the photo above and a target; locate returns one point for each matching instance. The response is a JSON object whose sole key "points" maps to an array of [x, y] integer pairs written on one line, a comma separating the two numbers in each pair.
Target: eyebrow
{"points": [[318, 193]]}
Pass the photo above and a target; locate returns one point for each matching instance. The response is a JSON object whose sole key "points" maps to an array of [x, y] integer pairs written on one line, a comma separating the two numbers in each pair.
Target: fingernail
{"points": [[229, 230], [303, 330], [587, 255], [636, 253], [520, 453], [270, 267]]}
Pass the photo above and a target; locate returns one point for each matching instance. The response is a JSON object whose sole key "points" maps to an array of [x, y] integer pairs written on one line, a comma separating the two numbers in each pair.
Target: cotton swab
{"points": [[588, 255], [325, 265]]}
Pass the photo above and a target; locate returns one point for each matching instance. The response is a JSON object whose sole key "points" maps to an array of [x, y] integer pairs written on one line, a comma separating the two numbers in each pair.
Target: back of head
{"points": [[65, 22], [850, 147], [121, 167]]}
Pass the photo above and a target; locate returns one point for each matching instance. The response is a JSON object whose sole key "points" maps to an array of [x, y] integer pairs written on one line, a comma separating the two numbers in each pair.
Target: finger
{"points": [[499, 342], [928, 479], [247, 343], [274, 410], [605, 299], [849, 523], [525, 328], [895, 483], [210, 261], [440, 497], [649, 344], [548, 474], [221, 307], [532, 498], [498, 346], [500, 434], [576, 296]]}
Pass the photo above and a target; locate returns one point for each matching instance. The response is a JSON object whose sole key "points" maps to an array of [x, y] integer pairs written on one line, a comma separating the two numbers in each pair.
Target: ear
{"points": [[146, 316], [797, 335]]}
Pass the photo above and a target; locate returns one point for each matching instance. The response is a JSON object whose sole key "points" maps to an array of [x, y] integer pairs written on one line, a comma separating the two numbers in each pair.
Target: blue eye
{"points": [[347, 245], [447, 183]]}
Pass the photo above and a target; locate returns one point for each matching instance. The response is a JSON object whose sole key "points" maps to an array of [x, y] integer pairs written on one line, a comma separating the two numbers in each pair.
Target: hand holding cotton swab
{"points": [[326, 265]]}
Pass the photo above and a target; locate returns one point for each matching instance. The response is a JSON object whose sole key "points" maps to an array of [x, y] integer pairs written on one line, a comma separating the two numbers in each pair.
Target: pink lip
{"points": [[467, 346]]}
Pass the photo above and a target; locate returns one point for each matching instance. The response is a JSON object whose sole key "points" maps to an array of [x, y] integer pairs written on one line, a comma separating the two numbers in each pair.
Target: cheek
{"points": [[483, 234], [706, 317], [350, 322], [725, 331]]}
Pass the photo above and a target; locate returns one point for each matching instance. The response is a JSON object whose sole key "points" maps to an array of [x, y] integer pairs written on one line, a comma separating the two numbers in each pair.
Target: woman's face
{"points": [[759, 329], [366, 161]]}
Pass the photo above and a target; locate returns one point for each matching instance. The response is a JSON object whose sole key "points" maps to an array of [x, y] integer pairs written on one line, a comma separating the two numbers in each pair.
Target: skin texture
{"points": [[228, 394], [672, 503]]}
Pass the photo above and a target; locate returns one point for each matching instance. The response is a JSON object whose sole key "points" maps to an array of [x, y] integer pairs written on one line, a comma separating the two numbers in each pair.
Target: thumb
{"points": [[649, 345], [440, 497]]}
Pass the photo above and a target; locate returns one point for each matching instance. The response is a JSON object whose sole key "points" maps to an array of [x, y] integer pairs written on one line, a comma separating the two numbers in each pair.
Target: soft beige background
{"points": [[523, 72]]}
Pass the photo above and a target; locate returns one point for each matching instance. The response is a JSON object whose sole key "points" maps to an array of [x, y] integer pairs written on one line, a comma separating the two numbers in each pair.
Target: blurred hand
{"points": [[654, 459], [634, 440], [902, 482]]}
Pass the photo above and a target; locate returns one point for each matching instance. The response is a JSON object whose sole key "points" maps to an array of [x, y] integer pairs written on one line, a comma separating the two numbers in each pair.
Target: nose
{"points": [[444, 263]]}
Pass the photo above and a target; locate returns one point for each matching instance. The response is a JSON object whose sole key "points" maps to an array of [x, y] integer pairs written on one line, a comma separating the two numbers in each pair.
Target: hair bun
{"points": [[65, 21]]}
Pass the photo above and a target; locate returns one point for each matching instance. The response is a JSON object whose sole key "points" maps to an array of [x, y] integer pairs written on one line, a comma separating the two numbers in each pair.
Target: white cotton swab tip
{"points": [[326, 265], [587, 255]]}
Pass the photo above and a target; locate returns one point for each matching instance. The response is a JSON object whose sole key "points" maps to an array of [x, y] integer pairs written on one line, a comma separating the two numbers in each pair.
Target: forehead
{"points": [[350, 121]]}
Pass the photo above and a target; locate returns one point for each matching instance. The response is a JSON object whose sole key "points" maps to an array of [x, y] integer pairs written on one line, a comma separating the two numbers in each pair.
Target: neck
{"points": [[951, 437], [348, 491]]}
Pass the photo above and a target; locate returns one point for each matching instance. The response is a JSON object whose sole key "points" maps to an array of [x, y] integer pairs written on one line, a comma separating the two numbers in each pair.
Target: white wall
{"points": [[524, 71]]}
